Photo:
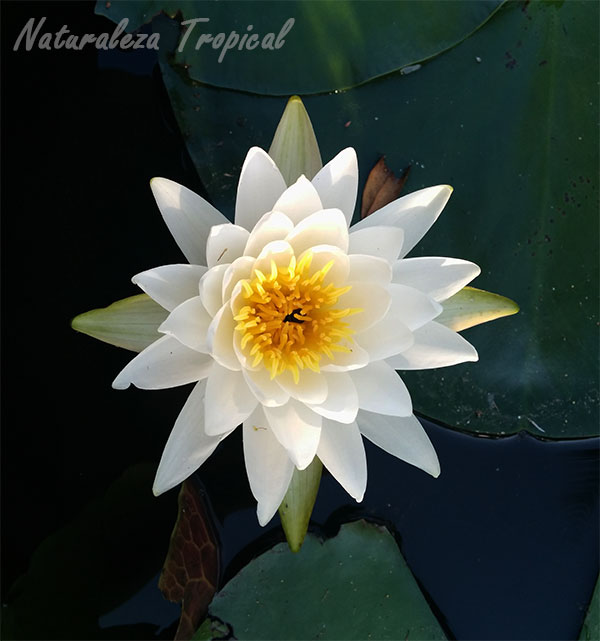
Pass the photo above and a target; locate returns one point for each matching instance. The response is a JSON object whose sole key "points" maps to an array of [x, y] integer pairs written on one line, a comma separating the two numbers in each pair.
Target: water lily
{"points": [[293, 324]]}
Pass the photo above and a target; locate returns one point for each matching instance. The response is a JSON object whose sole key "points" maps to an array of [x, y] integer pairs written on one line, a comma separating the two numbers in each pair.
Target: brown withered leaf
{"points": [[381, 188], [191, 571]]}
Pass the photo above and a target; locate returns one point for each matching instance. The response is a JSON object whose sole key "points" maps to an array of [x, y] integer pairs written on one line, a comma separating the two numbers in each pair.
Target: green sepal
{"points": [[298, 503], [131, 323], [471, 306], [294, 148]]}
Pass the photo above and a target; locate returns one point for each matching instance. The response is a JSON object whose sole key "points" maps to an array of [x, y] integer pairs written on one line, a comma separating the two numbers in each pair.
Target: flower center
{"points": [[290, 319]]}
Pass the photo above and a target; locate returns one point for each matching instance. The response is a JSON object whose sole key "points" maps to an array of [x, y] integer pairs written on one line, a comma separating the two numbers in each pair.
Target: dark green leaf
{"points": [[590, 630], [353, 586], [328, 45]]}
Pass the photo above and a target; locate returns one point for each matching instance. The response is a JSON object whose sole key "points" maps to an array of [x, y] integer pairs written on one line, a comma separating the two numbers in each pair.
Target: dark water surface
{"points": [[504, 543]]}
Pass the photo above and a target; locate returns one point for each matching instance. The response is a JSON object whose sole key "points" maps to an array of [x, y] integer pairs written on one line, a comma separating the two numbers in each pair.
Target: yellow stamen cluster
{"points": [[289, 320]]}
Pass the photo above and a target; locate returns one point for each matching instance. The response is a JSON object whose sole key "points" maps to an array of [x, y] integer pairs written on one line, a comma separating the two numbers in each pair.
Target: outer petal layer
{"points": [[342, 452], [435, 346], [337, 183], [170, 285], [381, 390], [228, 403], [188, 445], [403, 437], [188, 216], [165, 363], [268, 465]]}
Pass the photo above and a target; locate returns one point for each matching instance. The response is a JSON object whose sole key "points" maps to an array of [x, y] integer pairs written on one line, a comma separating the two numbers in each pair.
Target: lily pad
{"points": [[353, 586], [591, 626], [508, 118], [315, 46]]}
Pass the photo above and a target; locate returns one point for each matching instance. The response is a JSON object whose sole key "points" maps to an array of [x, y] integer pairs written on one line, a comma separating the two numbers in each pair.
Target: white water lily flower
{"points": [[293, 325]]}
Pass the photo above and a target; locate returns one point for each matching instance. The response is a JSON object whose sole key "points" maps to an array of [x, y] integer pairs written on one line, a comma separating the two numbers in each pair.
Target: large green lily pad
{"points": [[353, 586], [591, 626], [508, 118], [329, 44]]}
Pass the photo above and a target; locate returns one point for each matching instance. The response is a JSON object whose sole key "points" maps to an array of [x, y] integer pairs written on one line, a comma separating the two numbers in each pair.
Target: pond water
{"points": [[504, 544]]}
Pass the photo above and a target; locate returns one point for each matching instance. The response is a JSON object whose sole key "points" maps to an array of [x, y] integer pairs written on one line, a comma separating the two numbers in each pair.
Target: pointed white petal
{"points": [[381, 390], [188, 323], [267, 391], [346, 361], [437, 277], [299, 201], [337, 183], [240, 268], [165, 363], [342, 452], [298, 429], [371, 269], [323, 254], [386, 338], [219, 339], [225, 243], [325, 227], [268, 465], [259, 187], [373, 299], [310, 388], [412, 307], [170, 285], [341, 403], [272, 226], [188, 216], [435, 346], [228, 402], [211, 289], [188, 445], [403, 437], [414, 213], [384, 241]]}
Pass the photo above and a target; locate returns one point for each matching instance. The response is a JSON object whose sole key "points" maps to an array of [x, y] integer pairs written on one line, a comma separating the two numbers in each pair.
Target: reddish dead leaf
{"points": [[381, 188], [191, 570]]}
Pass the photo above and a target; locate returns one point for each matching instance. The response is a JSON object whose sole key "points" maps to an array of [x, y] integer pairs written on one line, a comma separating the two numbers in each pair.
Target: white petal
{"points": [[381, 390], [279, 251], [412, 307], [188, 445], [386, 338], [384, 241], [437, 277], [342, 452], [170, 285], [311, 386], [240, 268], [188, 323], [298, 429], [267, 391], [370, 269], [341, 403], [435, 346], [325, 227], [414, 213], [268, 465], [188, 216], [228, 402], [165, 363], [347, 361], [225, 243], [272, 226], [323, 254], [373, 299], [299, 201], [259, 187], [219, 339], [211, 289], [403, 437], [337, 183]]}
